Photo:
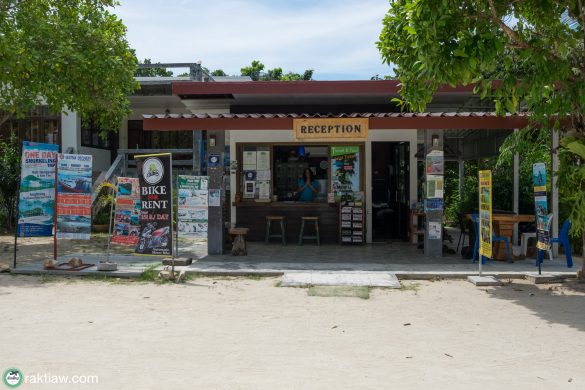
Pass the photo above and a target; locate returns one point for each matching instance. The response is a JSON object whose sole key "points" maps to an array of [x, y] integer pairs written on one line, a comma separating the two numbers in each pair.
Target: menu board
{"points": [[194, 198], [345, 170]]}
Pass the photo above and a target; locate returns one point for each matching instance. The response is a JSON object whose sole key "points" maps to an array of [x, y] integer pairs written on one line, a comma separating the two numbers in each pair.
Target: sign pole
{"points": [[114, 199], [55, 209]]}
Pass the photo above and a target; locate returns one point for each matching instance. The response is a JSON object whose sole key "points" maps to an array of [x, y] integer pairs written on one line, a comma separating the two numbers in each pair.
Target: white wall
{"points": [[277, 136], [101, 157], [70, 131]]}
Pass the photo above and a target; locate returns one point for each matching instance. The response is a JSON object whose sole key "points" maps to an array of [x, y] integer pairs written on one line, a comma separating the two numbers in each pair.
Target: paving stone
{"points": [[484, 280], [544, 278], [366, 279]]}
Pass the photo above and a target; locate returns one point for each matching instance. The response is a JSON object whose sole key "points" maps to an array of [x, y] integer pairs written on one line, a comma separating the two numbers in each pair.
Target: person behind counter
{"points": [[308, 187]]}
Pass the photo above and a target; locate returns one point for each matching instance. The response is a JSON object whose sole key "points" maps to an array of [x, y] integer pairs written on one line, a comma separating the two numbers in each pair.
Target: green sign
{"points": [[342, 150]]}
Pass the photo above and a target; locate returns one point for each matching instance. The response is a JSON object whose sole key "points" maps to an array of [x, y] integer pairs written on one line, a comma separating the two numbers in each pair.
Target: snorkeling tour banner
{"points": [[37, 189], [193, 205], [156, 224], [541, 206], [74, 179], [127, 217], [485, 213]]}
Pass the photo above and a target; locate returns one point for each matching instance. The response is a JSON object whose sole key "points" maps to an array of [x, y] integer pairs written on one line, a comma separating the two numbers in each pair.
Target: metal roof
{"points": [[330, 115]]}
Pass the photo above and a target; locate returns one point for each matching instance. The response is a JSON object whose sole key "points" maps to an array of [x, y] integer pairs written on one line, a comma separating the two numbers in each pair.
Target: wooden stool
{"points": [[239, 242], [282, 234], [316, 236]]}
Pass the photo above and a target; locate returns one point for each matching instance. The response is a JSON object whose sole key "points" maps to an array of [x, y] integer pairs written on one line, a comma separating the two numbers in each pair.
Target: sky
{"points": [[336, 38]]}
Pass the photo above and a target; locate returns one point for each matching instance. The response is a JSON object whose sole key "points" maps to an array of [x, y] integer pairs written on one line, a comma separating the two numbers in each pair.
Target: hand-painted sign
{"points": [[37, 189], [127, 218], [193, 205], [156, 204], [541, 207], [485, 213], [327, 129], [74, 179]]}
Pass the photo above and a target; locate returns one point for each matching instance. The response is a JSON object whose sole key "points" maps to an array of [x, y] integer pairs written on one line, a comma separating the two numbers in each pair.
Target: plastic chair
{"points": [[562, 239], [503, 239]]}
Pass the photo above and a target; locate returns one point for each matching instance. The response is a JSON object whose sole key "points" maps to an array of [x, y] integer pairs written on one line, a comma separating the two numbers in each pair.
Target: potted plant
{"points": [[101, 218]]}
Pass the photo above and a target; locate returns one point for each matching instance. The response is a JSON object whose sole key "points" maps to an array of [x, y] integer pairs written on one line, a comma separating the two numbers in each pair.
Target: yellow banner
{"points": [[328, 129], [485, 213]]}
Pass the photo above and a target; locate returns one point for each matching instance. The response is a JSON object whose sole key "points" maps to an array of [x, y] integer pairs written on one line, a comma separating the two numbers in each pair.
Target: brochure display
{"points": [[74, 181], [127, 217], [352, 219], [37, 190], [156, 204], [193, 203]]}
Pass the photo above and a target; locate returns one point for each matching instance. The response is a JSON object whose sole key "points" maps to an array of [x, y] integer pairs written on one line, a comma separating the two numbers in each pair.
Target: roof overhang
{"points": [[377, 121]]}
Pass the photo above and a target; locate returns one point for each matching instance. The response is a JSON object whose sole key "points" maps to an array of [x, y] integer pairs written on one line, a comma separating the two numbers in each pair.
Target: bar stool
{"points": [[282, 234], [239, 247], [316, 236]]}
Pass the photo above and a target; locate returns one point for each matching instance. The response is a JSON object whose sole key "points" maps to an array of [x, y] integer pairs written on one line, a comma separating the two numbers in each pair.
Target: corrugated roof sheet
{"points": [[331, 115]]}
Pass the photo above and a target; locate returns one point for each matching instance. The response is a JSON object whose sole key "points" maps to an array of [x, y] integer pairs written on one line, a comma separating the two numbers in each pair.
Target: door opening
{"points": [[390, 190]]}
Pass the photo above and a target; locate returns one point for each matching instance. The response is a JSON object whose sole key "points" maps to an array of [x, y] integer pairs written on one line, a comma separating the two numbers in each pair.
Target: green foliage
{"points": [[153, 72], [65, 54], [255, 71], [535, 48], [9, 176], [218, 72]]}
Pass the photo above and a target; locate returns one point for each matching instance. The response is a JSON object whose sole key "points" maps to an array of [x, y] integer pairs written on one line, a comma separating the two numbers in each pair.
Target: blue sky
{"points": [[336, 38]]}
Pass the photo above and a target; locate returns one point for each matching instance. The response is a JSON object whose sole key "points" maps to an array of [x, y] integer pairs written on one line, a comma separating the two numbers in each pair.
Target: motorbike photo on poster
{"points": [[153, 238]]}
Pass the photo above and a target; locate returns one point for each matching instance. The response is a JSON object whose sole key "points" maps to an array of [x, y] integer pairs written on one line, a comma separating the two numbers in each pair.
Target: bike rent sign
{"points": [[156, 204]]}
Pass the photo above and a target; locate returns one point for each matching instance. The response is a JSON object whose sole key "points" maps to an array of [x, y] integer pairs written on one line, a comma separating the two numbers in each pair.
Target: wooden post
{"points": [[215, 227]]}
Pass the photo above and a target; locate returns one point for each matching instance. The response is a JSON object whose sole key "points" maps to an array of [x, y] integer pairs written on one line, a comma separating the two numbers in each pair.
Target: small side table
{"points": [[239, 242]]}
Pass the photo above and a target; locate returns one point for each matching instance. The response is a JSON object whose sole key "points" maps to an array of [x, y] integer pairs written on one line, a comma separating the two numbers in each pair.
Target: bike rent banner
{"points": [[156, 204]]}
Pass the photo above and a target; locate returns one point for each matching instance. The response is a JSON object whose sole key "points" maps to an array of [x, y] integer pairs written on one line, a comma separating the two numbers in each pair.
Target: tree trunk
{"points": [[583, 256], [5, 117]]}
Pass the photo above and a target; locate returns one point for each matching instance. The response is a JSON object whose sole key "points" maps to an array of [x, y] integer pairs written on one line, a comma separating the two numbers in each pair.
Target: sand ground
{"points": [[218, 333]]}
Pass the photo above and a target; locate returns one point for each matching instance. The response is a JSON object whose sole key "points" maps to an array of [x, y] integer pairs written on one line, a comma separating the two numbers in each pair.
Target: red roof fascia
{"points": [[299, 87]]}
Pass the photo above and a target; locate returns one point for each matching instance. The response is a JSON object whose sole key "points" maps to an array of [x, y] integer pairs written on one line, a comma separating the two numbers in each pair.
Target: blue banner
{"points": [[37, 189]]}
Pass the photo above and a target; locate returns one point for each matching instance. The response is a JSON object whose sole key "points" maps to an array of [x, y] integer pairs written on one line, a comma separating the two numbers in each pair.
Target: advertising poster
{"points": [[156, 205], [435, 186], [485, 213], [127, 217], [541, 206], [345, 170], [193, 205], [37, 189], [74, 179], [435, 163]]}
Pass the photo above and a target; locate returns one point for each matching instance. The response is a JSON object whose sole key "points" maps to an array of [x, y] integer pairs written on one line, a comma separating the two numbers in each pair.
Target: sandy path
{"points": [[248, 334]]}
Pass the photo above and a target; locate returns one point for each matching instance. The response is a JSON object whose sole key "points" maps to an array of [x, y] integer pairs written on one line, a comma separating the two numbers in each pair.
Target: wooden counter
{"points": [[252, 215]]}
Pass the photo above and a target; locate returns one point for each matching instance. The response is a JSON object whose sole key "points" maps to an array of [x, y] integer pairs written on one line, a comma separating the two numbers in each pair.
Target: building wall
{"points": [[277, 136]]}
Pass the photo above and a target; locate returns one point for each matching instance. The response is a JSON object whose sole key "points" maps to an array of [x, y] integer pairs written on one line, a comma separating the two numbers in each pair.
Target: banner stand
{"points": [[114, 200], [16, 229]]}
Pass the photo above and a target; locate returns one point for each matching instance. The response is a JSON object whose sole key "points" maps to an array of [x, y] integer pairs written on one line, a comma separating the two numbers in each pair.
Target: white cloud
{"points": [[332, 37]]}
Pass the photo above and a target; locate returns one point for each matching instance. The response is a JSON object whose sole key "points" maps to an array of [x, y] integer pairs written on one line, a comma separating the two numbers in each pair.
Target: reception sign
{"points": [[127, 217], [156, 223], [541, 206], [37, 189], [485, 213], [328, 129], [74, 179], [193, 205]]}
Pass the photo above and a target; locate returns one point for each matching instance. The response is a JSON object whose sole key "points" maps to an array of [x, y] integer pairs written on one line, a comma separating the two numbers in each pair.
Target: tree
{"points": [[152, 72], [218, 72], [67, 54], [254, 70], [9, 175], [534, 47]]}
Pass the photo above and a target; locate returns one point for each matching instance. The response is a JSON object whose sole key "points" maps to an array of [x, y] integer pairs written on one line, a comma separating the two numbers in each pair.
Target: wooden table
{"points": [[504, 227]]}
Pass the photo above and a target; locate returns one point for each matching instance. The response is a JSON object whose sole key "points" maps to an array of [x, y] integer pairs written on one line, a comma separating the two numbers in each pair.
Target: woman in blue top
{"points": [[307, 187]]}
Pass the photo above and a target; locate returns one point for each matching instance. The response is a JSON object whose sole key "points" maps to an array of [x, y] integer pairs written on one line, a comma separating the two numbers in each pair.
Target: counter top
{"points": [[291, 204]]}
